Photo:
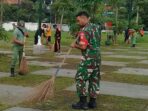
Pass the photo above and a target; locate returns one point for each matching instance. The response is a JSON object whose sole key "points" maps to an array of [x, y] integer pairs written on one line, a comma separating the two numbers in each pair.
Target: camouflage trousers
{"points": [[88, 71]]}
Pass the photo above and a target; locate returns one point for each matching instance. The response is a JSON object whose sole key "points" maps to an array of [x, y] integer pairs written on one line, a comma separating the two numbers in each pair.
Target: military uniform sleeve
{"points": [[82, 39]]}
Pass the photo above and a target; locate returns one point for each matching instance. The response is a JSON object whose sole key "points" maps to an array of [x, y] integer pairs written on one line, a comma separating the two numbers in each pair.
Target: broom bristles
{"points": [[43, 91], [23, 66], [46, 89]]}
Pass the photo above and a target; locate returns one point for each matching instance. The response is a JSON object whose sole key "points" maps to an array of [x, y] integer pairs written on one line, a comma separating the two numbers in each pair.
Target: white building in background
{"points": [[29, 26]]}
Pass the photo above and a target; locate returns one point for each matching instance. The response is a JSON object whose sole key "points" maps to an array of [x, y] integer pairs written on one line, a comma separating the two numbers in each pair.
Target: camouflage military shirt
{"points": [[89, 67]]}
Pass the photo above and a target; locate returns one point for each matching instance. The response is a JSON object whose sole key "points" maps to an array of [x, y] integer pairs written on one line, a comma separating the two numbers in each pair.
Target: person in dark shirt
{"points": [[126, 40], [40, 32], [57, 45]]}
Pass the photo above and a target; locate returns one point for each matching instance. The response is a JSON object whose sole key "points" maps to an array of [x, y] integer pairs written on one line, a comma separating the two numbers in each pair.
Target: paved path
{"points": [[4, 74], [127, 56], [29, 57], [114, 56], [10, 94], [70, 56], [5, 52], [121, 89], [63, 72], [52, 64], [107, 53], [130, 49], [47, 64], [135, 71], [143, 62], [138, 52], [21, 109], [113, 63]]}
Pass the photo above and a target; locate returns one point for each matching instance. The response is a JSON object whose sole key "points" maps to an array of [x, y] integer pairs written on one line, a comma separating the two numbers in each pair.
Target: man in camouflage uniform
{"points": [[89, 68]]}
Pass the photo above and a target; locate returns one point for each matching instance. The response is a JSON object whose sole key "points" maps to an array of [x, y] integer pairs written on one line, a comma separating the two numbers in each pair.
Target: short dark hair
{"points": [[83, 13]]}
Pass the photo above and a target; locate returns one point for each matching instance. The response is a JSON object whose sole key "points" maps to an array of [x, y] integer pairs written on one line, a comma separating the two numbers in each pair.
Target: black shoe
{"points": [[82, 104], [92, 103], [12, 72]]}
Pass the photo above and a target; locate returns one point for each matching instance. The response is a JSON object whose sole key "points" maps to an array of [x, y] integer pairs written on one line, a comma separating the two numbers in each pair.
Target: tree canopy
{"points": [[64, 11]]}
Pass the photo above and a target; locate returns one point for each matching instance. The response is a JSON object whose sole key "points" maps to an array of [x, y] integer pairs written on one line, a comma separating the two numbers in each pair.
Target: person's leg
{"points": [[14, 61], [125, 39], [49, 42], [35, 40], [93, 88], [20, 55], [133, 45], [59, 45], [81, 78], [55, 46]]}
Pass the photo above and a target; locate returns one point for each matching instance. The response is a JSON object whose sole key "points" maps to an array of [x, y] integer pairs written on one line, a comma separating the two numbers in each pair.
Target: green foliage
{"points": [[144, 12], [28, 11], [3, 34], [135, 26], [122, 25], [74, 28]]}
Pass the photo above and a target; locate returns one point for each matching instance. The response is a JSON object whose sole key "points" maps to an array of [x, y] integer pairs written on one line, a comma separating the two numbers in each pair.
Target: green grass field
{"points": [[63, 99]]}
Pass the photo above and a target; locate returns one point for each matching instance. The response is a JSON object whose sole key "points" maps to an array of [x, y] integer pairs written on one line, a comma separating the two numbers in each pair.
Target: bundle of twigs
{"points": [[23, 69], [46, 89]]}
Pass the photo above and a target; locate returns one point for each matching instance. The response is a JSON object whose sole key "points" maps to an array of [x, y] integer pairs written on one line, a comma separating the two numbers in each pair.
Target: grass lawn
{"points": [[27, 80], [125, 78], [3, 106], [105, 102], [5, 62], [63, 99]]}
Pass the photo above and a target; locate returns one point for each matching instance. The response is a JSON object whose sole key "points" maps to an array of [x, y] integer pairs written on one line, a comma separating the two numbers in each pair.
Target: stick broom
{"points": [[45, 90], [23, 69]]}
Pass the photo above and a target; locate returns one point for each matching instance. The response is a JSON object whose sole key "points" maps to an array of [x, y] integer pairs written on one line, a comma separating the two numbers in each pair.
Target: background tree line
{"points": [[63, 11]]}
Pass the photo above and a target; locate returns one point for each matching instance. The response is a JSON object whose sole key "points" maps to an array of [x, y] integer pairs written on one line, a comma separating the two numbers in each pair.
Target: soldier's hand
{"points": [[22, 43]]}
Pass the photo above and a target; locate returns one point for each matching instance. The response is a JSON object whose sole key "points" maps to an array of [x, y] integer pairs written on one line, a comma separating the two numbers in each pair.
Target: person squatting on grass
{"points": [[18, 42], [89, 68]]}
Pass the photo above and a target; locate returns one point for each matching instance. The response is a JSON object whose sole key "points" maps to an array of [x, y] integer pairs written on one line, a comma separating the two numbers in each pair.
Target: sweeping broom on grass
{"points": [[23, 69], [45, 90]]}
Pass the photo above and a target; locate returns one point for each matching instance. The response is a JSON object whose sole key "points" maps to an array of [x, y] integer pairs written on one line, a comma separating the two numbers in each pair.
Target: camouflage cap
{"points": [[21, 23]]}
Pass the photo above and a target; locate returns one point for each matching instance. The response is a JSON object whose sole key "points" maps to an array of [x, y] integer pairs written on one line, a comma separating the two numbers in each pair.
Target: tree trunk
{"points": [[137, 17], [55, 18], [1, 13], [61, 22], [117, 12]]}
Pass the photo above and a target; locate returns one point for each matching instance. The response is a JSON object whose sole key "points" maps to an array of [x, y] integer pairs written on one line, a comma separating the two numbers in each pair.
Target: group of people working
{"points": [[131, 36], [45, 33], [87, 41]]}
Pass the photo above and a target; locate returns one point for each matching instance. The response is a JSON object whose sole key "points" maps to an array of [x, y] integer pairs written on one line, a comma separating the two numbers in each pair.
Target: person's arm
{"points": [[14, 40], [26, 34], [82, 43]]}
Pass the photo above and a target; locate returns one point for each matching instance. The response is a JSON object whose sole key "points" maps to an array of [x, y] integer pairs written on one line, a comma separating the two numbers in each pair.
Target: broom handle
{"points": [[24, 47], [64, 59]]}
